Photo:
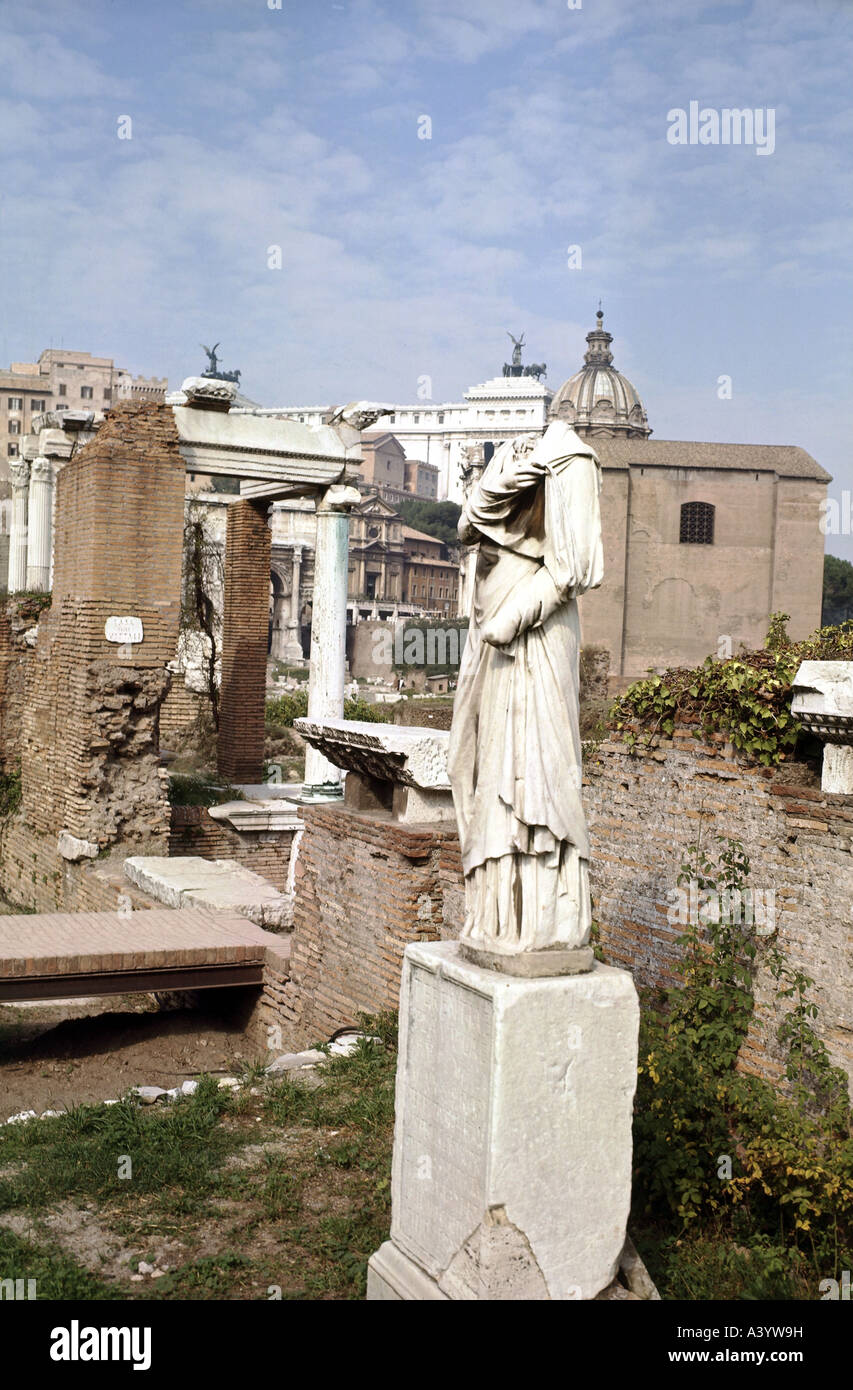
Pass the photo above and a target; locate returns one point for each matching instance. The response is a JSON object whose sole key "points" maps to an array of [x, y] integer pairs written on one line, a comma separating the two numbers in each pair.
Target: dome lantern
{"points": [[599, 399]]}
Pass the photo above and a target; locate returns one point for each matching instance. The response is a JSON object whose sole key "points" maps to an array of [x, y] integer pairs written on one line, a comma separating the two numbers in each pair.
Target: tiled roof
{"points": [[787, 460]]}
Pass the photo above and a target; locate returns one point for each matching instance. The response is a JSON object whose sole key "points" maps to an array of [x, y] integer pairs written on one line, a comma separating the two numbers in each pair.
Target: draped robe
{"points": [[515, 751]]}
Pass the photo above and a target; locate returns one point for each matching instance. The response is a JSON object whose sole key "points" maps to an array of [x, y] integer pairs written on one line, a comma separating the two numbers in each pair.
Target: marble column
{"points": [[328, 630], [279, 627], [19, 472], [293, 645], [39, 528]]}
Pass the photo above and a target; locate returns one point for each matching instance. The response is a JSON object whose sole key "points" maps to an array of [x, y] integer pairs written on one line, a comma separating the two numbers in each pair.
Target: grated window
{"points": [[697, 523]]}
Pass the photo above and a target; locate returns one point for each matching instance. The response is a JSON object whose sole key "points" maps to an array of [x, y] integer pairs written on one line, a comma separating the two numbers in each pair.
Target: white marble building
{"points": [[439, 433]]}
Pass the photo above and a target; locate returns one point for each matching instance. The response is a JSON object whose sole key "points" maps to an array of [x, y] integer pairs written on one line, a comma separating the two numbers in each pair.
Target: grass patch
{"points": [[80, 1154], [282, 1193], [57, 1275]]}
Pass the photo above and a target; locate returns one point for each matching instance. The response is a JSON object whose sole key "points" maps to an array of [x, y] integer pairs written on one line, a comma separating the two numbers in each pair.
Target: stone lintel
{"points": [[409, 757], [277, 814]]}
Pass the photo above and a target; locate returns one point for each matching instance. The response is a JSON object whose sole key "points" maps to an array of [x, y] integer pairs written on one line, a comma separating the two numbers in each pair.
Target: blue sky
{"points": [[401, 257]]}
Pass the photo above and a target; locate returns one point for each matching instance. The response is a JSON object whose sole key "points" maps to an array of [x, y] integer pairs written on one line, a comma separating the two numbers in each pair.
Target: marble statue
{"points": [[515, 751]]}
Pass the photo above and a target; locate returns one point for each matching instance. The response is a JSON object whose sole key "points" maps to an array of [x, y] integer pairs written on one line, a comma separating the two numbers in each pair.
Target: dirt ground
{"points": [[56, 1055]]}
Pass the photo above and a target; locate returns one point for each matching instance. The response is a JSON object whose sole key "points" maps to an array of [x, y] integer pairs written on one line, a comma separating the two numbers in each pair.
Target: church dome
{"points": [[598, 399]]}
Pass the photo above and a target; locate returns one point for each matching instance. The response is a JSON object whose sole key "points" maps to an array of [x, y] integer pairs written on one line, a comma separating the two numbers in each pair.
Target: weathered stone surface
{"points": [[221, 884], [512, 1156], [412, 756], [295, 1061], [837, 771], [71, 848]]}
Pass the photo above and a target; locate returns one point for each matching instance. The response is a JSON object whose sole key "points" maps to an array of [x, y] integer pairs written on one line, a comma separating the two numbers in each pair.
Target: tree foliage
{"points": [[837, 590], [437, 519]]}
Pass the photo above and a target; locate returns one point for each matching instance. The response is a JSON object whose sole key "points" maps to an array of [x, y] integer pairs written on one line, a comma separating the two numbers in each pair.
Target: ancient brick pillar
{"points": [[244, 642], [90, 763]]}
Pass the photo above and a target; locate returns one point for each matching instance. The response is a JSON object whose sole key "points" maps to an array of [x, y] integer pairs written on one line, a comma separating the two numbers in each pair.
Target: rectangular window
{"points": [[36, 406], [86, 393], [63, 390], [108, 393], [15, 403], [12, 451], [14, 427]]}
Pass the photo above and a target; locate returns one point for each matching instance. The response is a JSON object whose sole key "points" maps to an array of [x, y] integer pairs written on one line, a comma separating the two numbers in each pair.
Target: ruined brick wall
{"points": [[33, 874], [365, 887], [180, 711], [244, 643], [18, 615], [90, 755], [194, 831], [646, 811]]}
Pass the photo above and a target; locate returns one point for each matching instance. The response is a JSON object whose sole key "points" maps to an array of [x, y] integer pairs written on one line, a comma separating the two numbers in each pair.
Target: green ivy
{"points": [[746, 697]]}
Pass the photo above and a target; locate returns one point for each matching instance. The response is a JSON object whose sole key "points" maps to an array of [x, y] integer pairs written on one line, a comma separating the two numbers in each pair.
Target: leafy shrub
{"points": [[198, 789], [283, 709]]}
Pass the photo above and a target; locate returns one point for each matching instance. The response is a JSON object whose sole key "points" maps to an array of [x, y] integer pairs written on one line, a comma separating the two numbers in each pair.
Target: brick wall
{"points": [[33, 874], [89, 754], [193, 831], [17, 616], [244, 642], [646, 811], [180, 711], [365, 887]]}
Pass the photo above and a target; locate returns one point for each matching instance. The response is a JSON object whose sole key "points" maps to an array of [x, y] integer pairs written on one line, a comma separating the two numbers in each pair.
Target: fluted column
{"points": [[39, 524], [19, 472], [328, 629]]}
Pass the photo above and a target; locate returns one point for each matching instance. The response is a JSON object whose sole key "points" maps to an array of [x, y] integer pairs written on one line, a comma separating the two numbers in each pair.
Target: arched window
{"points": [[697, 523]]}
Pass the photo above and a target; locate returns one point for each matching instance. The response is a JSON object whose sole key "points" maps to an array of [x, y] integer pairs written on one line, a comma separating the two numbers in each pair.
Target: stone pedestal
{"points": [[512, 1151]]}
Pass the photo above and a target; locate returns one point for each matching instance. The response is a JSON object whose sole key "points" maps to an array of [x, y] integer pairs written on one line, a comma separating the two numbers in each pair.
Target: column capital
{"points": [[42, 468], [338, 498], [19, 474]]}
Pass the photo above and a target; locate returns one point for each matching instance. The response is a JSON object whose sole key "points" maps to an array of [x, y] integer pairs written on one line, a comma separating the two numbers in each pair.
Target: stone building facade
{"points": [[63, 380]]}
